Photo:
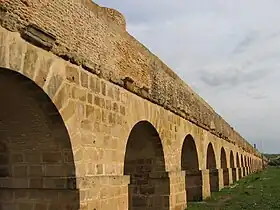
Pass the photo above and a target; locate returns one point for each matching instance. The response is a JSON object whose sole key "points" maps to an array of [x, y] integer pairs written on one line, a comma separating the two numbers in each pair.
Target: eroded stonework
{"points": [[95, 37], [90, 119]]}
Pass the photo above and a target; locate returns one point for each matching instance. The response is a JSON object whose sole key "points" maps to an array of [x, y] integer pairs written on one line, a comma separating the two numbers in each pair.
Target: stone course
{"points": [[95, 37], [75, 87]]}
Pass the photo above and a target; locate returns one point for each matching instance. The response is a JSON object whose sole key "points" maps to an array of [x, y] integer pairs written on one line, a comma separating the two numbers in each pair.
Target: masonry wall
{"points": [[99, 117], [95, 38]]}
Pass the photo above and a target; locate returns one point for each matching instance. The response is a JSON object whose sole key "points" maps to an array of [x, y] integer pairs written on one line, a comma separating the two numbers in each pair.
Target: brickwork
{"points": [[212, 167], [95, 37], [37, 150], [67, 133], [232, 167], [224, 166], [190, 165], [144, 162]]}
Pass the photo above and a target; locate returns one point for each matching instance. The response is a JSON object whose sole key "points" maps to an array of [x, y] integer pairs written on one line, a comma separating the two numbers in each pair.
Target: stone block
{"points": [[72, 74], [31, 60]]}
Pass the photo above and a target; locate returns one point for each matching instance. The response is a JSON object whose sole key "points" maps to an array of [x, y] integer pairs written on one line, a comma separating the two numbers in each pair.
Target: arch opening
{"points": [[249, 165], [232, 167], [238, 166], [190, 164], [246, 165], [149, 186], [213, 172], [224, 167], [36, 150], [242, 165]]}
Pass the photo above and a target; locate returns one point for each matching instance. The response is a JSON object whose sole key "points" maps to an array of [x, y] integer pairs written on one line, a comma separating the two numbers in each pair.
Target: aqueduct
{"points": [[91, 120]]}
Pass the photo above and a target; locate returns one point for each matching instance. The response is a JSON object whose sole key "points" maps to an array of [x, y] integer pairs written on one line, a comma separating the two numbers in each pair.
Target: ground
{"points": [[258, 191]]}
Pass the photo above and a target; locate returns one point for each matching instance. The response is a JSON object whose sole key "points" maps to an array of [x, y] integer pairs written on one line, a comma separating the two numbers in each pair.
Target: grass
{"points": [[259, 191]]}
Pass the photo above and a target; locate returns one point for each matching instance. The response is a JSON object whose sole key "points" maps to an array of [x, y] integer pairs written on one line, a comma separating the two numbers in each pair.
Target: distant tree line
{"points": [[274, 159]]}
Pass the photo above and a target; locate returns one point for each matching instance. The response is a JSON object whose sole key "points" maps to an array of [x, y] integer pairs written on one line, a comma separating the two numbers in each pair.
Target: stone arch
{"points": [[237, 161], [144, 162], [250, 164], [212, 166], [231, 159], [36, 147], [233, 168], [190, 164], [245, 165], [242, 164], [238, 165], [224, 166]]}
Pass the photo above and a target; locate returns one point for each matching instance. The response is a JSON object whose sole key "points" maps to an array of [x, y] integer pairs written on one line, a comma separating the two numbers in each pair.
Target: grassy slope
{"points": [[257, 191]]}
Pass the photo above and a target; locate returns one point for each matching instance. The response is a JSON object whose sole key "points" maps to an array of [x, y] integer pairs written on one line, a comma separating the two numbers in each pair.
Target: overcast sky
{"points": [[227, 51]]}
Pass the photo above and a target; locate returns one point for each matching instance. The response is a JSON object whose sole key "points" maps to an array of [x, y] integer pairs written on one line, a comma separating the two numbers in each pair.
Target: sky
{"points": [[227, 51]]}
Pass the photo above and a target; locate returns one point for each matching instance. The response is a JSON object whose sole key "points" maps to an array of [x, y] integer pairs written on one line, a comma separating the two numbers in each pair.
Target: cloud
{"points": [[228, 51], [232, 76], [247, 41]]}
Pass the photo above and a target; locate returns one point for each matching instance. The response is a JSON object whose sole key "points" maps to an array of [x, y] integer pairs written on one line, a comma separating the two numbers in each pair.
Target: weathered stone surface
{"points": [[148, 76], [68, 136], [30, 61]]}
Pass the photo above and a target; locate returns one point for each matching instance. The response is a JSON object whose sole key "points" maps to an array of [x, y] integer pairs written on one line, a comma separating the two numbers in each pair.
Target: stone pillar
{"points": [[221, 178], [94, 192], [230, 176], [194, 185], [241, 173], [103, 192], [226, 176], [206, 193], [161, 194], [32, 192], [177, 198], [214, 180], [246, 171], [234, 172], [237, 174]]}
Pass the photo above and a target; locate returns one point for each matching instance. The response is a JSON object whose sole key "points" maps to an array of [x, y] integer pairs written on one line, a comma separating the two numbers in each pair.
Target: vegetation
{"points": [[258, 191], [274, 159]]}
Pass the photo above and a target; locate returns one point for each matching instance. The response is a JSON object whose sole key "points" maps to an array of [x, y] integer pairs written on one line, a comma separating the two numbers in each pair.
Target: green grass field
{"points": [[259, 191]]}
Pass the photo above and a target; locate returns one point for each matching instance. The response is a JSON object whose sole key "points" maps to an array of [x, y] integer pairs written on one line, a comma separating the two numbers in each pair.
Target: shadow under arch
{"points": [[246, 164], [213, 172], [224, 167], [238, 165], [232, 166], [149, 186], [242, 165], [190, 164], [36, 158], [249, 165]]}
